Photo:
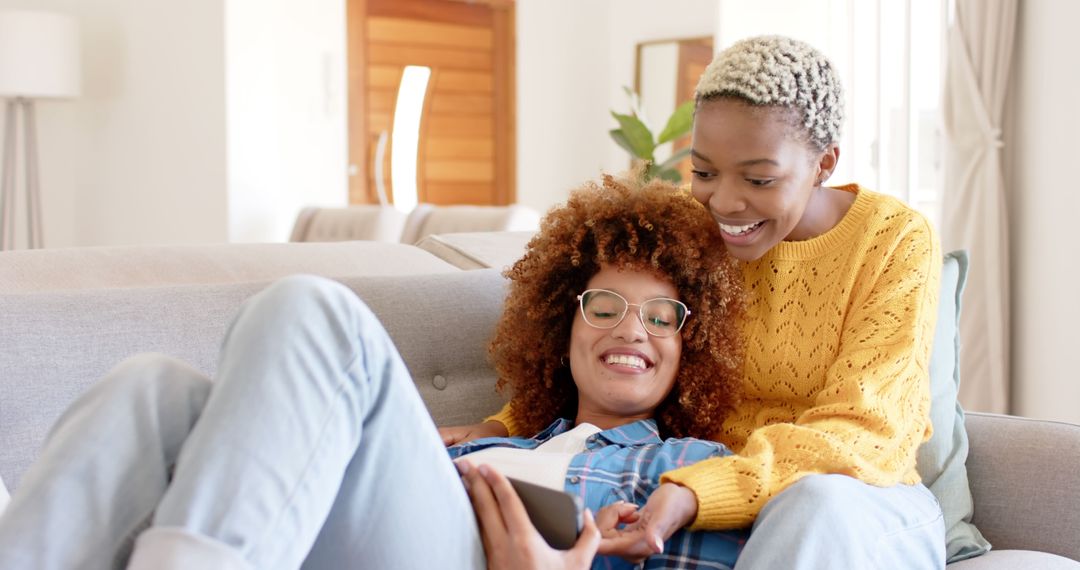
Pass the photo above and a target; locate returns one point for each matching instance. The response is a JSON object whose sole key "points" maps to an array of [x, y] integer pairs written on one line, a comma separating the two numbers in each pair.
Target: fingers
{"points": [[654, 538], [447, 435], [460, 434], [588, 541], [615, 514], [453, 434], [512, 509], [488, 513]]}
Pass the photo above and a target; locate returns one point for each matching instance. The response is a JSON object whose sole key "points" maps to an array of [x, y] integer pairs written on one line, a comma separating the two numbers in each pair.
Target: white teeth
{"points": [[626, 360], [736, 230]]}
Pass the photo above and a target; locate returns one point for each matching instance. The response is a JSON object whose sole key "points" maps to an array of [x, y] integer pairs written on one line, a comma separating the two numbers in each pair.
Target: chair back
{"points": [[429, 219]]}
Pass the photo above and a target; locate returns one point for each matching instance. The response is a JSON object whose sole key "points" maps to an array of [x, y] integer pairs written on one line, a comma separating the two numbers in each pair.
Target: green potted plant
{"points": [[638, 139]]}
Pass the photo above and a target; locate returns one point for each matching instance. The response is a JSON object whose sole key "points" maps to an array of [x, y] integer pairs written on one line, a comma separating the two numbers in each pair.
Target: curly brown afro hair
{"points": [[628, 224]]}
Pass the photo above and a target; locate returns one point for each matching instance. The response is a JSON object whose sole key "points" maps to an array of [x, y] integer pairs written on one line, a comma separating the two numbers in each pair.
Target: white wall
{"points": [[1042, 153], [140, 157], [285, 113], [561, 99], [200, 121], [631, 22], [573, 58]]}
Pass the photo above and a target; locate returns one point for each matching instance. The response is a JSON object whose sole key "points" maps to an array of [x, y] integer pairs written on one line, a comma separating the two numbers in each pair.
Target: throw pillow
{"points": [[941, 461]]}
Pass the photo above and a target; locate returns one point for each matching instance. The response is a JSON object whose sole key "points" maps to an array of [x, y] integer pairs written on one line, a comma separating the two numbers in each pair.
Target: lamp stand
{"points": [[7, 190]]}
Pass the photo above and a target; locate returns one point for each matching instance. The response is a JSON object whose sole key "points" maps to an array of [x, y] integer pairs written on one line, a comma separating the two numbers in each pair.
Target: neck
{"points": [[606, 421], [827, 206]]}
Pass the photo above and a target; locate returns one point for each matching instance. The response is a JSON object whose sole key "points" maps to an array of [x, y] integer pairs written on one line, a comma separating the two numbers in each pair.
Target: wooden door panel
{"points": [[459, 192], [459, 170], [467, 149], [384, 76], [419, 32], [463, 81], [463, 103], [460, 147], [437, 56], [456, 125]]}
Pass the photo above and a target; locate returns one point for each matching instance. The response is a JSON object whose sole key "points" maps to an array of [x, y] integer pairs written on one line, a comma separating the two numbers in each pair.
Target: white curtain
{"points": [[980, 47]]}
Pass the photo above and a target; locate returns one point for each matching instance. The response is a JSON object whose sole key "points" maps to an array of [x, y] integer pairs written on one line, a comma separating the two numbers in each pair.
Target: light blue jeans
{"points": [[311, 448], [837, 522]]}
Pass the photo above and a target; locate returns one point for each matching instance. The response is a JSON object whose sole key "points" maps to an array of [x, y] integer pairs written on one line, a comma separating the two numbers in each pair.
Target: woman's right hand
{"points": [[459, 434], [511, 542]]}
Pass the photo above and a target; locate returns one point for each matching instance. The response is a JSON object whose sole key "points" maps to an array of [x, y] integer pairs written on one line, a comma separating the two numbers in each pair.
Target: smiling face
{"points": [[623, 373], [758, 178]]}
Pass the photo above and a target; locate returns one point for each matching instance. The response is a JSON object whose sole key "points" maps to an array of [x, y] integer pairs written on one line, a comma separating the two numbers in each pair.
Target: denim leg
{"points": [[314, 430], [103, 469], [835, 521]]}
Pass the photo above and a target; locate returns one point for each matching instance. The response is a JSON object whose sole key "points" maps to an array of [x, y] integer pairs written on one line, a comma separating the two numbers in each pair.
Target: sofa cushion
{"points": [[475, 250], [1025, 481], [941, 460], [428, 219], [149, 266], [1016, 560], [53, 346], [357, 222]]}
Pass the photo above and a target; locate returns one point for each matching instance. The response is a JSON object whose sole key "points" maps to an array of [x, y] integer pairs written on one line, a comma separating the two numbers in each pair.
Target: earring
{"points": [[564, 361]]}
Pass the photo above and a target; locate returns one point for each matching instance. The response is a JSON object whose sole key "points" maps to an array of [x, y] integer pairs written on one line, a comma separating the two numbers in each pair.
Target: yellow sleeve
{"points": [[872, 413], [505, 418]]}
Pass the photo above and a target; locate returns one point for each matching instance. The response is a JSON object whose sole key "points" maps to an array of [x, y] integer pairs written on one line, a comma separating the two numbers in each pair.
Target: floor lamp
{"points": [[39, 59]]}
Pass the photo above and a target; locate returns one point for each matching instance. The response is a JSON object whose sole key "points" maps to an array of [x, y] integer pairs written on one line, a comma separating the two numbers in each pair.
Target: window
{"points": [[890, 56], [894, 134]]}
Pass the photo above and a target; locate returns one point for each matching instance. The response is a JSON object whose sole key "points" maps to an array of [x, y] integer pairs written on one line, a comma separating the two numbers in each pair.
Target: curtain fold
{"points": [[979, 55]]}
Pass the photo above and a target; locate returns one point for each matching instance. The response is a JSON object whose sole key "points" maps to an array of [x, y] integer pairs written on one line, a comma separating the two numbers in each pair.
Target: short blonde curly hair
{"points": [[782, 72], [629, 224]]}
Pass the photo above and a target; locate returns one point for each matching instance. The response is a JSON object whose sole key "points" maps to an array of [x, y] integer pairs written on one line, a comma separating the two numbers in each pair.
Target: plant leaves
{"points": [[674, 159], [637, 136], [635, 103], [679, 123], [620, 139], [669, 174]]}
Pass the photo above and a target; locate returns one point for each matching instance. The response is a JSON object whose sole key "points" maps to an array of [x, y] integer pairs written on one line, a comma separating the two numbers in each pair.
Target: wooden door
{"points": [[694, 56], [466, 148]]}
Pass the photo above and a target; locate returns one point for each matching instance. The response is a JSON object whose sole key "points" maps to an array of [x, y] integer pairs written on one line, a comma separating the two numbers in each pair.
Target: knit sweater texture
{"points": [[838, 335]]}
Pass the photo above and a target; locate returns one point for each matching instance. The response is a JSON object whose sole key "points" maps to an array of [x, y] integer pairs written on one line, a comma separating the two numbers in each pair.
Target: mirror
{"points": [[666, 74]]}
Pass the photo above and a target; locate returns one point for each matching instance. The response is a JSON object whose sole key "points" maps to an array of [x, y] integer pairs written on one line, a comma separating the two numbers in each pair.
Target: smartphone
{"points": [[556, 514]]}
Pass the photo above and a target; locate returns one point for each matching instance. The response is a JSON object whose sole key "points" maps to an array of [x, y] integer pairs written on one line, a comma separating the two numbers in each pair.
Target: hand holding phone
{"points": [[557, 515]]}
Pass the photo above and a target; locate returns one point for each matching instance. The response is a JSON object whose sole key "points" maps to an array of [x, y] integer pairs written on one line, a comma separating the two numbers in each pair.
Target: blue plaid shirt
{"points": [[625, 464]]}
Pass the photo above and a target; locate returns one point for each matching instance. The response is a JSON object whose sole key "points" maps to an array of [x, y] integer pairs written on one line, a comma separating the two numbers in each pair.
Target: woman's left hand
{"points": [[668, 509]]}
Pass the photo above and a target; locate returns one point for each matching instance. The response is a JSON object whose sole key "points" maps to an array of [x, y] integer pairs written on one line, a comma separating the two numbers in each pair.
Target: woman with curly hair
{"points": [[312, 447], [842, 289], [621, 225]]}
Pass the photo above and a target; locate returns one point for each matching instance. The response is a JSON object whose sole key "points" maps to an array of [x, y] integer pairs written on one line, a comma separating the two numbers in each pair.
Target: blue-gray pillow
{"points": [[941, 461]]}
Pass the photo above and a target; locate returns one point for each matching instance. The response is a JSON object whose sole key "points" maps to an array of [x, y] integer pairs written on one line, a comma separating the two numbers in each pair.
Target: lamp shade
{"points": [[39, 55]]}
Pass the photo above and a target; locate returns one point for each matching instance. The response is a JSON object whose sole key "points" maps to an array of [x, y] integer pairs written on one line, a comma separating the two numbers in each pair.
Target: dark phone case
{"points": [[556, 514]]}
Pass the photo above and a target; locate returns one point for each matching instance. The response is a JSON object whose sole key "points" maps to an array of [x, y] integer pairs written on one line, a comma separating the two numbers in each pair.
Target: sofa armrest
{"points": [[1025, 482]]}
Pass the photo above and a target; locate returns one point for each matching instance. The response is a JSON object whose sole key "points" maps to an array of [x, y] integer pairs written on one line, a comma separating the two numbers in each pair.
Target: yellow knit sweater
{"points": [[838, 333]]}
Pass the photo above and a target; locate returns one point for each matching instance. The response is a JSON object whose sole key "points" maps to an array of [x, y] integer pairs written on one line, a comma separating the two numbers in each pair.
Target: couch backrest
{"points": [[428, 219], [54, 345], [357, 222], [150, 266]]}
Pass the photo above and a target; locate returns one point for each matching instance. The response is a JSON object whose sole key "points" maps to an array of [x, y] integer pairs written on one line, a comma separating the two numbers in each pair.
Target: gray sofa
{"points": [[69, 315]]}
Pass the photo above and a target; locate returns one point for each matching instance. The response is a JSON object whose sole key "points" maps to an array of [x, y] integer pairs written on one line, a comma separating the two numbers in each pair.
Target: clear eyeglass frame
{"points": [[681, 312]]}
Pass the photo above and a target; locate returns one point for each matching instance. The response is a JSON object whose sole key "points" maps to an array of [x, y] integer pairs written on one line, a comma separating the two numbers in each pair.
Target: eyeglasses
{"points": [[661, 317]]}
